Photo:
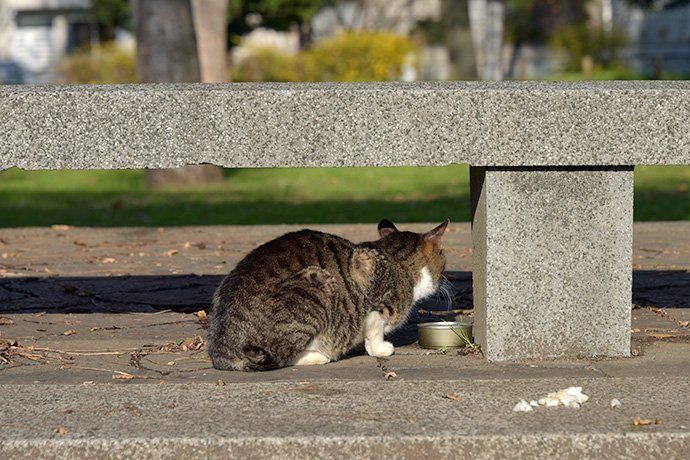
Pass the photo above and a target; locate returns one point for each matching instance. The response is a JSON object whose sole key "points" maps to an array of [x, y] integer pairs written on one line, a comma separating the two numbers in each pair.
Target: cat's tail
{"points": [[250, 358], [258, 359]]}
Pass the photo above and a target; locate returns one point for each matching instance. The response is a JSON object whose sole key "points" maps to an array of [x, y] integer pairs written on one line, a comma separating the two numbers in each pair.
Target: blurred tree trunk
{"points": [[167, 53], [210, 23], [459, 40], [166, 44], [493, 47], [487, 20]]}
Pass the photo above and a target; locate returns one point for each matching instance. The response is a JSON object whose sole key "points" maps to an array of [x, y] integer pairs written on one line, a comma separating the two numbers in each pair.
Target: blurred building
{"points": [[36, 34], [400, 16], [660, 39]]}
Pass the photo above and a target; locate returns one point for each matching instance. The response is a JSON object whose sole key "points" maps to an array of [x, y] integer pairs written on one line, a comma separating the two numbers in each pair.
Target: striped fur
{"points": [[308, 297]]}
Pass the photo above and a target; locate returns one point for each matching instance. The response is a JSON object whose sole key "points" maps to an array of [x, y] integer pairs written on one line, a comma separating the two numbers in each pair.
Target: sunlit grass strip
{"points": [[276, 196]]}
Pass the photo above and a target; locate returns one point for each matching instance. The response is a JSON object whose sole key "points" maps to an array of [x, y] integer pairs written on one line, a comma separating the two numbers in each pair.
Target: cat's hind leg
{"points": [[307, 297], [374, 328], [313, 354]]}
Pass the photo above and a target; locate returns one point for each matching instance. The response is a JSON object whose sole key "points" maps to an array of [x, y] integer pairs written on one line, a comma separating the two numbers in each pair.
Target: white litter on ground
{"points": [[522, 406], [615, 403], [570, 397]]}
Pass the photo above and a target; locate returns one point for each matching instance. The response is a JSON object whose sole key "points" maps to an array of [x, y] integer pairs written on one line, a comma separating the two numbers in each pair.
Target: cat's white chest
{"points": [[424, 287]]}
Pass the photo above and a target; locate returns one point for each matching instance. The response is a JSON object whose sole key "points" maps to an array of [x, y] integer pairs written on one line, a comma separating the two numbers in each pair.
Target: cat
{"points": [[309, 297]]}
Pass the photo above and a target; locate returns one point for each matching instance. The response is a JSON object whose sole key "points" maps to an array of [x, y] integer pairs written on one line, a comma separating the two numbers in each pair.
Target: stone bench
{"points": [[551, 171]]}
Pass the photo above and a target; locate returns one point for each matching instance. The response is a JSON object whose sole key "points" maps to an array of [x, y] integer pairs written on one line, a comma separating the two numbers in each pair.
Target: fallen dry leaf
{"points": [[646, 421], [108, 260], [36, 315], [639, 421], [60, 430], [186, 245], [125, 376], [7, 322], [173, 252], [192, 344], [220, 383], [70, 332], [133, 409], [661, 336], [34, 354], [109, 328], [197, 343], [452, 396], [390, 375]]}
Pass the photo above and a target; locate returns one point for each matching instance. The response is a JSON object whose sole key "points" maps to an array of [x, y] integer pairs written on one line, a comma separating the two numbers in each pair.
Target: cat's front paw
{"points": [[379, 350]]}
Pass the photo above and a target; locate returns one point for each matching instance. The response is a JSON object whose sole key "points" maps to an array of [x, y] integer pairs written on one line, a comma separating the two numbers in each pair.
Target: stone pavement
{"points": [[102, 355]]}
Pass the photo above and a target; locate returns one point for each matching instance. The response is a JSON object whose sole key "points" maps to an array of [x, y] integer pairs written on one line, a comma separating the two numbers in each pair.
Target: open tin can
{"points": [[447, 334]]}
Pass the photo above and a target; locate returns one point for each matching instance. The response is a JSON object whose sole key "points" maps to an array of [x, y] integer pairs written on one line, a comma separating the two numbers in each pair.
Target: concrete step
{"points": [[338, 419]]}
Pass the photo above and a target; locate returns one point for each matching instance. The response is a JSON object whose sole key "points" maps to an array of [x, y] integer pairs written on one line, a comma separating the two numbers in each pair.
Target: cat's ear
{"points": [[436, 234], [386, 227]]}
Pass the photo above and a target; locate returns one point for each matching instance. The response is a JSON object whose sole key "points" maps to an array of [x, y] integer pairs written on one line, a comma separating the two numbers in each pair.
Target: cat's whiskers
{"points": [[445, 289]]}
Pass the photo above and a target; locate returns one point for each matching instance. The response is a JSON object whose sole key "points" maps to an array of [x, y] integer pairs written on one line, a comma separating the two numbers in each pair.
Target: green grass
{"points": [[612, 74], [662, 193], [249, 196], [275, 196]]}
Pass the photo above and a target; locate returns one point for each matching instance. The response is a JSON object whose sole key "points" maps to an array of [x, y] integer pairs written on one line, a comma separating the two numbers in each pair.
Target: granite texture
{"points": [[345, 124], [396, 420], [552, 261]]}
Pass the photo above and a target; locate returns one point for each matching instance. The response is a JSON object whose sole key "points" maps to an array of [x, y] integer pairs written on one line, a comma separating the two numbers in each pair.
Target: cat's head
{"points": [[420, 253]]}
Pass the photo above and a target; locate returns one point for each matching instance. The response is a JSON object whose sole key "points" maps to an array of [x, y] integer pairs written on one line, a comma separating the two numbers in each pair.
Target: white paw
{"points": [[307, 358], [380, 350]]}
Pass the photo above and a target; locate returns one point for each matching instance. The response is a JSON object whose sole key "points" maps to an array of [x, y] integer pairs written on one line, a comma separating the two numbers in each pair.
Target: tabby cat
{"points": [[308, 297]]}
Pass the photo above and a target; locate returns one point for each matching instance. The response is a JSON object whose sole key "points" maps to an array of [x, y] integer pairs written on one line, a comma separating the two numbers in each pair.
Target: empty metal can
{"points": [[448, 334]]}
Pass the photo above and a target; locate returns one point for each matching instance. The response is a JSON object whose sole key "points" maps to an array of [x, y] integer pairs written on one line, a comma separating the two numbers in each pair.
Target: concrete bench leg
{"points": [[552, 261]]}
